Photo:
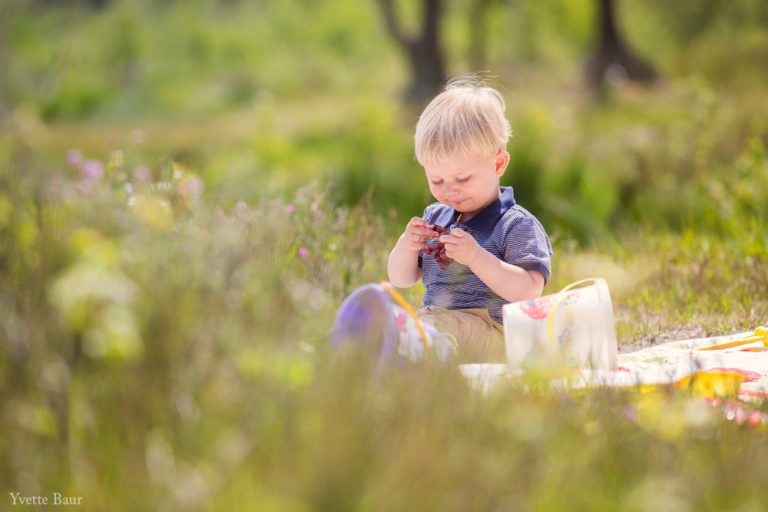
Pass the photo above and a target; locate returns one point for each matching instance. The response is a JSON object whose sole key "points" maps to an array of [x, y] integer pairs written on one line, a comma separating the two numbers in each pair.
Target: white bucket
{"points": [[574, 326]]}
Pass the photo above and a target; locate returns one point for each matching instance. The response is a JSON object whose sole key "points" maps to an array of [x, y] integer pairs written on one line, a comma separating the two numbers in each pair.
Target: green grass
{"points": [[177, 357], [165, 346]]}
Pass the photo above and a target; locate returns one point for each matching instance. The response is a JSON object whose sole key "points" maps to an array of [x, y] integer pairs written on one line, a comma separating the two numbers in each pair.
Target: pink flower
{"points": [[741, 415], [142, 173], [290, 209], [74, 157], [85, 187], [319, 214], [302, 253], [196, 186], [92, 170]]}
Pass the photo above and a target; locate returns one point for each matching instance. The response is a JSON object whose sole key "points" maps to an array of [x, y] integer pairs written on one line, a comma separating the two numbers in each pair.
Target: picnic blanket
{"points": [[732, 365]]}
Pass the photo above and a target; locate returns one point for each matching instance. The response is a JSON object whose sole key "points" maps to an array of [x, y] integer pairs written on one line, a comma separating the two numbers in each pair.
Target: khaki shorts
{"points": [[475, 337]]}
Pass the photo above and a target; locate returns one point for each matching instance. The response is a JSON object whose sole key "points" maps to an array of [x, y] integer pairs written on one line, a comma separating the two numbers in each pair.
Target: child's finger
{"points": [[425, 232], [418, 222]]}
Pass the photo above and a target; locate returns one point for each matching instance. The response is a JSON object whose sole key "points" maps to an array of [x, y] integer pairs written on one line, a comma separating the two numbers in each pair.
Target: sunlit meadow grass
{"points": [[166, 293], [161, 352]]}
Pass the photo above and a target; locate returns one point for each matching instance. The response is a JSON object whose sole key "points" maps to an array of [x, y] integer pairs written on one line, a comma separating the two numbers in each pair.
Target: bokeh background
{"points": [[263, 97], [188, 189]]}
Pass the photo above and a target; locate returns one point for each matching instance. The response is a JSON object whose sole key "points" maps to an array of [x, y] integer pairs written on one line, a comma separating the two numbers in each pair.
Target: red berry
{"points": [[437, 249]]}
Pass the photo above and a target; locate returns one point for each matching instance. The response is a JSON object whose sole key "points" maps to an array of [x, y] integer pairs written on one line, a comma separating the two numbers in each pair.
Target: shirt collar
{"points": [[485, 219]]}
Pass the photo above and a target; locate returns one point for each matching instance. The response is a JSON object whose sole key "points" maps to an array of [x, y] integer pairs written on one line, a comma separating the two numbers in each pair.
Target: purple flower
{"points": [[92, 170], [195, 186], [74, 157], [290, 209], [319, 214], [142, 173], [302, 252]]}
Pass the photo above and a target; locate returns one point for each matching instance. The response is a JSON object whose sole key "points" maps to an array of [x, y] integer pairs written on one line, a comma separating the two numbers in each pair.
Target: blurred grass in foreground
{"points": [[163, 352]]}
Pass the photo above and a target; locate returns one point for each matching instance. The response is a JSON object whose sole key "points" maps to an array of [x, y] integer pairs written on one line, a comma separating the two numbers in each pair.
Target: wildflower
{"points": [[74, 157], [190, 187], [194, 186], [92, 170], [302, 252], [290, 209], [241, 211], [756, 418], [154, 211], [319, 214], [142, 173], [85, 187]]}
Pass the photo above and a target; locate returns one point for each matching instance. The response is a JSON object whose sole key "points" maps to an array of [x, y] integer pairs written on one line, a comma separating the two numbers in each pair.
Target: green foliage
{"points": [[117, 280], [331, 115], [167, 295], [161, 351], [144, 58]]}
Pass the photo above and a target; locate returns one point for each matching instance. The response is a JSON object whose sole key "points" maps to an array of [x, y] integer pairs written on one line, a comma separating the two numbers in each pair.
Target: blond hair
{"points": [[466, 119]]}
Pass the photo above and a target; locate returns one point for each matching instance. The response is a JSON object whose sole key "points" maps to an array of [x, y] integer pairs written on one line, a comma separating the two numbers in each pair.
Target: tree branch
{"points": [[388, 10], [431, 19]]}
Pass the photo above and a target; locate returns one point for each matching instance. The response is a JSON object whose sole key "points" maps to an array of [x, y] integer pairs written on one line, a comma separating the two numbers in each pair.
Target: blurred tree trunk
{"points": [[612, 60], [424, 52], [5, 14]]}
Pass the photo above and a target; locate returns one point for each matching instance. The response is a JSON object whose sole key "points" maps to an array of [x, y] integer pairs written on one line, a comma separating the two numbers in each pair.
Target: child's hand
{"points": [[417, 232], [461, 246]]}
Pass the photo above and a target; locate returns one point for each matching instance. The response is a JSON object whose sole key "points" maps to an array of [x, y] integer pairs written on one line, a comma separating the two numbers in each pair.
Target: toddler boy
{"points": [[496, 251]]}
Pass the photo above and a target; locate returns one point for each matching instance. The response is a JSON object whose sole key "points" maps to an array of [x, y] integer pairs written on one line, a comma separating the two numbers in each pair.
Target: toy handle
{"points": [[407, 307]]}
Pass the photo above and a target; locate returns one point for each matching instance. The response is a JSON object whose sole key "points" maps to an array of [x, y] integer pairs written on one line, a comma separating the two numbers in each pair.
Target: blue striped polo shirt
{"points": [[506, 230]]}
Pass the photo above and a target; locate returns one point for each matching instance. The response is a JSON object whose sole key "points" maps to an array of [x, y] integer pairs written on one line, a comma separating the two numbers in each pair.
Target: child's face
{"points": [[467, 184]]}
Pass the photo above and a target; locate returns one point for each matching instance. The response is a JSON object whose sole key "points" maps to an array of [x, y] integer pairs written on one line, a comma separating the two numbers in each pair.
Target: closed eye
{"points": [[463, 180], [437, 182]]}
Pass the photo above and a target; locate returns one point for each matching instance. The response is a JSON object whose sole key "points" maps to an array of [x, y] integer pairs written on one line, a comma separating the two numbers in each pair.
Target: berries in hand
{"points": [[436, 248]]}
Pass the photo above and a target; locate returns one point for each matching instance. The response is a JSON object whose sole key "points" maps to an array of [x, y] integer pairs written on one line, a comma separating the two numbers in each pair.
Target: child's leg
{"points": [[475, 337]]}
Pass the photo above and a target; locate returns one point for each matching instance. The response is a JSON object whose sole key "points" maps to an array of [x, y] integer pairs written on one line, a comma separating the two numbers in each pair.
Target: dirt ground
{"points": [[683, 332], [656, 329]]}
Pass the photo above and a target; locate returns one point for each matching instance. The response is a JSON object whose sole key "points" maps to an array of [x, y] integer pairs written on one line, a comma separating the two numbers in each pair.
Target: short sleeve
{"points": [[527, 246], [431, 212]]}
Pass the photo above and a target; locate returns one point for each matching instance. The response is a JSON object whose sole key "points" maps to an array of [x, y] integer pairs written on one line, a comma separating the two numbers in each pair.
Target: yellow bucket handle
{"points": [[407, 307], [759, 334]]}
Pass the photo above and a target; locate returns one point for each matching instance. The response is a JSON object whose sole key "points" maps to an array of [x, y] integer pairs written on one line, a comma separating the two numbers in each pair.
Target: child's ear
{"points": [[502, 160]]}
